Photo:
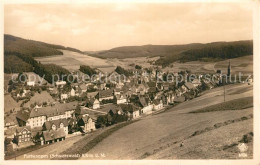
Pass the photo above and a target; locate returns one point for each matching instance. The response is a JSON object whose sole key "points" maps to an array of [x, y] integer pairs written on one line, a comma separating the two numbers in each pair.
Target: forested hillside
{"points": [[87, 70], [19, 56], [27, 63], [211, 52], [182, 53], [14, 44]]}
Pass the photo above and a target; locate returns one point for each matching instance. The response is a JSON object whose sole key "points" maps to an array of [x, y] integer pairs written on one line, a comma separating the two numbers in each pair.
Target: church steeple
{"points": [[229, 69]]}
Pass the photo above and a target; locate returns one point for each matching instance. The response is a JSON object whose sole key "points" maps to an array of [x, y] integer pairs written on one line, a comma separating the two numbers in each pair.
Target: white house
{"points": [[146, 106], [64, 96], [60, 83], [157, 104], [30, 83], [72, 92], [120, 99], [96, 104]]}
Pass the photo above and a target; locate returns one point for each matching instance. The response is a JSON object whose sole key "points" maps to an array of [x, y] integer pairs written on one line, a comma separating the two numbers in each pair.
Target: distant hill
{"points": [[32, 48], [143, 51], [183, 53]]}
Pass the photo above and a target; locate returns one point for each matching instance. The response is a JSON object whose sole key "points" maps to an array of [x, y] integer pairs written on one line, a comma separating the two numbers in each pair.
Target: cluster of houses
{"points": [[117, 100]]}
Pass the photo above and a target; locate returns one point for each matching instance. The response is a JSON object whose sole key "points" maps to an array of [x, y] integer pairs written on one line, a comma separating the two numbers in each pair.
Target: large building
{"points": [[38, 116]]}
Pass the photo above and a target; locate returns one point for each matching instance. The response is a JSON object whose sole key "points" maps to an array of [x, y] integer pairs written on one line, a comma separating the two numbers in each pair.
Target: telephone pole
{"points": [[224, 93]]}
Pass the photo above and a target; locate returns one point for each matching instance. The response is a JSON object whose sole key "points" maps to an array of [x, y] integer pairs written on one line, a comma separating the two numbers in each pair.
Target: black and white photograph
{"points": [[130, 81]]}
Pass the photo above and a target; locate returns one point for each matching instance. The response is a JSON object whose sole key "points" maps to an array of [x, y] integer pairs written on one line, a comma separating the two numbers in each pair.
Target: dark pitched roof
{"points": [[51, 135], [105, 93], [81, 111], [20, 129], [152, 90], [10, 119], [92, 94], [10, 131], [48, 124], [86, 118], [129, 107], [90, 102], [143, 101], [23, 115], [156, 102]]}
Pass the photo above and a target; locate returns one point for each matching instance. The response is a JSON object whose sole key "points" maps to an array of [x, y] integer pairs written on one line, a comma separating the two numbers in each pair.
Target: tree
{"points": [[138, 67], [101, 121]]}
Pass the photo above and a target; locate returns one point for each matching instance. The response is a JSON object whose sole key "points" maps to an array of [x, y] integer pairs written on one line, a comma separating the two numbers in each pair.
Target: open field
{"points": [[73, 60], [237, 104], [241, 64]]}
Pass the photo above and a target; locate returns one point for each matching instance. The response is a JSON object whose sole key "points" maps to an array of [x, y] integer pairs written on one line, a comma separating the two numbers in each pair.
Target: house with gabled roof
{"points": [[145, 104], [121, 99], [131, 110], [52, 136], [23, 134], [56, 124], [87, 124]]}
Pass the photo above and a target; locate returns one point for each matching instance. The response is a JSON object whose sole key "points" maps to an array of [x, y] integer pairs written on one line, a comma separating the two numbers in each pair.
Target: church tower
{"points": [[229, 70]]}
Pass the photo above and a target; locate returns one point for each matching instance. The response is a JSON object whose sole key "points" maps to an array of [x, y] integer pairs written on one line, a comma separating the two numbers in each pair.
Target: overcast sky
{"points": [[104, 26]]}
